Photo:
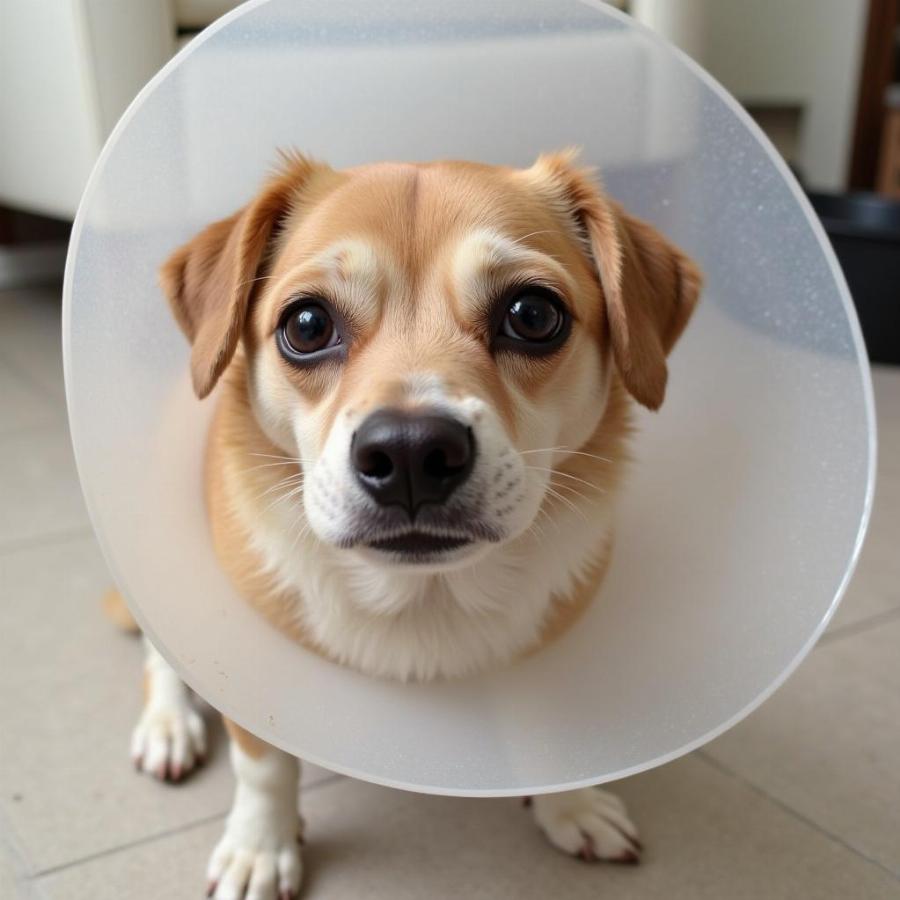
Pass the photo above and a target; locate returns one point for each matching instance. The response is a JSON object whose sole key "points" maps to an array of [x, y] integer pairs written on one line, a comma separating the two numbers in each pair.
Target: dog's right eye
{"points": [[306, 331]]}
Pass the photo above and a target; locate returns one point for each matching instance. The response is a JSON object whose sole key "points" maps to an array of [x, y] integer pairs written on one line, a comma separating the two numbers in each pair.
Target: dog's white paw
{"points": [[169, 740], [588, 823], [258, 858]]}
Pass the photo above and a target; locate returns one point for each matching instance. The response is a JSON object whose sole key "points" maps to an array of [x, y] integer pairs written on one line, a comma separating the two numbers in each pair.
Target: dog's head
{"points": [[425, 340]]}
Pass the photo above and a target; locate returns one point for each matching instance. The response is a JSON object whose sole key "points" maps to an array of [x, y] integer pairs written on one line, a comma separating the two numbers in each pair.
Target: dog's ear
{"points": [[209, 280], [650, 287]]}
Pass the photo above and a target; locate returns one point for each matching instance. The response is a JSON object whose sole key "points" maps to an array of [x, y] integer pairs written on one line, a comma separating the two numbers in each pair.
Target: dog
{"points": [[426, 376]]}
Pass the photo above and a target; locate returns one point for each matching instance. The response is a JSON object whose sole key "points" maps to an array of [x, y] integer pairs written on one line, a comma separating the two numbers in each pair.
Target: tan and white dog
{"points": [[426, 373]]}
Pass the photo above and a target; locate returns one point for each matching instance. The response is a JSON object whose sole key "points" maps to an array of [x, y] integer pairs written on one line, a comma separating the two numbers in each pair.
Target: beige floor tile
{"points": [[827, 745], [39, 486], [13, 885], [875, 588], [22, 405], [31, 336], [69, 696], [708, 836], [7, 874]]}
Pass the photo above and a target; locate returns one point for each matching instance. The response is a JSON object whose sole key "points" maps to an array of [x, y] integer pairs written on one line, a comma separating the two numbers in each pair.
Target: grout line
{"points": [[12, 545], [13, 849], [784, 807], [853, 628], [16, 853], [129, 845], [160, 835]]}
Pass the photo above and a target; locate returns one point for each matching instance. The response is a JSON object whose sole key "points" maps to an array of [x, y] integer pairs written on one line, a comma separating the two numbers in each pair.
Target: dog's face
{"points": [[427, 339]]}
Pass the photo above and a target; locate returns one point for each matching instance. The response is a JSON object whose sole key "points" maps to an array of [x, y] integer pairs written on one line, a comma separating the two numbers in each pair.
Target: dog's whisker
{"points": [[566, 475], [536, 528], [554, 493], [269, 465], [254, 280], [283, 497], [544, 512], [567, 450], [518, 242], [575, 491], [301, 532], [540, 450], [296, 459], [284, 483], [589, 455], [525, 237], [278, 484], [553, 519], [293, 476]]}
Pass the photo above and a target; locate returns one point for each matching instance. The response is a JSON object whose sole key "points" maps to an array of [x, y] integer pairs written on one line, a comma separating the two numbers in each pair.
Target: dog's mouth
{"points": [[419, 545], [438, 545]]}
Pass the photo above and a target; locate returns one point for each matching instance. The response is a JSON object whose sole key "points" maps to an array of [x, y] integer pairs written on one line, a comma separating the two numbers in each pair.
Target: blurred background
{"points": [[821, 77], [802, 799]]}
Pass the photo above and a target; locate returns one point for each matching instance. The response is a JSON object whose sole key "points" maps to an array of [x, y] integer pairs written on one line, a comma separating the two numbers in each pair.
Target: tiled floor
{"points": [[800, 800]]}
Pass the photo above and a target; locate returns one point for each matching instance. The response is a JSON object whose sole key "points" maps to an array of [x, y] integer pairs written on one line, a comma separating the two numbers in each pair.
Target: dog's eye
{"points": [[534, 316], [309, 329], [306, 329]]}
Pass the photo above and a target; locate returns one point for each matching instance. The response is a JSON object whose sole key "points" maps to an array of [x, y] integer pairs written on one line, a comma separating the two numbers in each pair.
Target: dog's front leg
{"points": [[169, 739], [258, 857]]}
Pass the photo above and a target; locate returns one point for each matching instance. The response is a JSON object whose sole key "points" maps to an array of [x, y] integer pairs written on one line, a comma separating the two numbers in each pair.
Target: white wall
{"points": [[68, 69], [49, 133], [798, 52]]}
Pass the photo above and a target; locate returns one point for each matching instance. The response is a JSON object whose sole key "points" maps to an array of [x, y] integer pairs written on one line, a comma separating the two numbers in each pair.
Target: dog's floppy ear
{"points": [[650, 287], [209, 280]]}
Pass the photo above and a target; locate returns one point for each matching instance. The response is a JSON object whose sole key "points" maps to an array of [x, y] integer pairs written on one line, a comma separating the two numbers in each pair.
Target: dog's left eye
{"points": [[535, 319], [306, 329]]}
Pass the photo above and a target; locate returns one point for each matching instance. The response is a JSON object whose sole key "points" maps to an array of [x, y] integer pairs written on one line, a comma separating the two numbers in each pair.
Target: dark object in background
{"points": [[865, 232], [20, 227]]}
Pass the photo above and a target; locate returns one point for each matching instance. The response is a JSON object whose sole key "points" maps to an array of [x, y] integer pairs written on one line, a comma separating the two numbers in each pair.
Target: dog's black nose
{"points": [[409, 459]]}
